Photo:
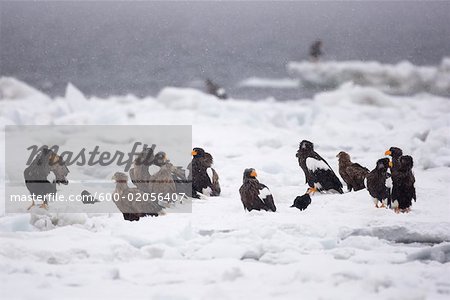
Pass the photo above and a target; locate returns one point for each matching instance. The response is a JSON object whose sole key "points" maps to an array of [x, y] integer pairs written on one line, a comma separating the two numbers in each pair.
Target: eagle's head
{"points": [[120, 177], [383, 164], [249, 173], [406, 163], [343, 156], [198, 152], [304, 147], [394, 152], [160, 159]]}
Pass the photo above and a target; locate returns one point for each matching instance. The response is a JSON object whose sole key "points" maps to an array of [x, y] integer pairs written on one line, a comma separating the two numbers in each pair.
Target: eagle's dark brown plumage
{"points": [[318, 173], [255, 195], [375, 183], [353, 174], [403, 190], [204, 178]]}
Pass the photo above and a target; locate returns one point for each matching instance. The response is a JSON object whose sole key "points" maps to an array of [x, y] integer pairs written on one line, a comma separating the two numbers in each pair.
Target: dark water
{"points": [[111, 48]]}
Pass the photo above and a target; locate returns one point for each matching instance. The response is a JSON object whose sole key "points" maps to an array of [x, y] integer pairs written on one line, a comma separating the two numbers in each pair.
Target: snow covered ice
{"points": [[341, 247], [401, 78]]}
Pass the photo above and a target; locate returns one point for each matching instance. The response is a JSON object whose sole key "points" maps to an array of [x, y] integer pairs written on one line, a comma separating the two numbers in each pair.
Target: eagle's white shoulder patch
{"points": [[264, 193], [220, 91], [389, 182], [365, 182], [210, 173], [313, 164]]}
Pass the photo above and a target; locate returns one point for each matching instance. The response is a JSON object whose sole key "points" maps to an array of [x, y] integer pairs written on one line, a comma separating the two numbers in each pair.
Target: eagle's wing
{"points": [[214, 179], [266, 197], [317, 165]]}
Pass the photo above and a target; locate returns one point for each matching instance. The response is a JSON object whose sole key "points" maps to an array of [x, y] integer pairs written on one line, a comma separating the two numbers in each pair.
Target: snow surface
{"points": [[283, 83], [402, 78], [341, 247]]}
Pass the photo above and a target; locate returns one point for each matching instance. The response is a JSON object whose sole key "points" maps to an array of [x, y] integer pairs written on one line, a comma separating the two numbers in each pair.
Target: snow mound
{"points": [[13, 89], [426, 233], [401, 78], [283, 83], [218, 249], [43, 220], [440, 253]]}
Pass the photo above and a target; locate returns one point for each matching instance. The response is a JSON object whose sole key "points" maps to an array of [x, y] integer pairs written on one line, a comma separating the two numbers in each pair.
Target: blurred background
{"points": [[116, 48]]}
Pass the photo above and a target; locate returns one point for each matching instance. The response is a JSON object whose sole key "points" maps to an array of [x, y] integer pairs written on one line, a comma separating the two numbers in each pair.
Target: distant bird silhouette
{"points": [[87, 198], [215, 89], [315, 51]]}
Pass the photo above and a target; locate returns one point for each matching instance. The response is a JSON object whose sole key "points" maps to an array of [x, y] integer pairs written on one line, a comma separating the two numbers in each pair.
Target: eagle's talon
{"points": [[311, 190]]}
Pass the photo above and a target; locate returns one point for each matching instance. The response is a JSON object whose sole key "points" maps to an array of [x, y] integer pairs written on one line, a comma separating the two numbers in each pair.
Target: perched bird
{"points": [[36, 173], [182, 184], [132, 202], [205, 179], [403, 190], [375, 183], [352, 173], [87, 198], [395, 154], [255, 195], [318, 173], [215, 89], [315, 51], [302, 202]]}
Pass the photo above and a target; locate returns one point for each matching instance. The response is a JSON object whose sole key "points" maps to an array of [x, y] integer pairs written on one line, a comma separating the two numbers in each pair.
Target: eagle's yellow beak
{"points": [[390, 164], [194, 153], [388, 152], [253, 174]]}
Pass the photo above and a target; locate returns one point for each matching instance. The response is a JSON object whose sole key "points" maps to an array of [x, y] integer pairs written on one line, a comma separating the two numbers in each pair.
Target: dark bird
{"points": [[403, 190], [395, 154], [205, 179], [87, 198], [36, 173], [302, 202], [318, 173], [353, 174], [132, 202], [315, 51], [214, 89], [255, 195], [375, 183]]}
